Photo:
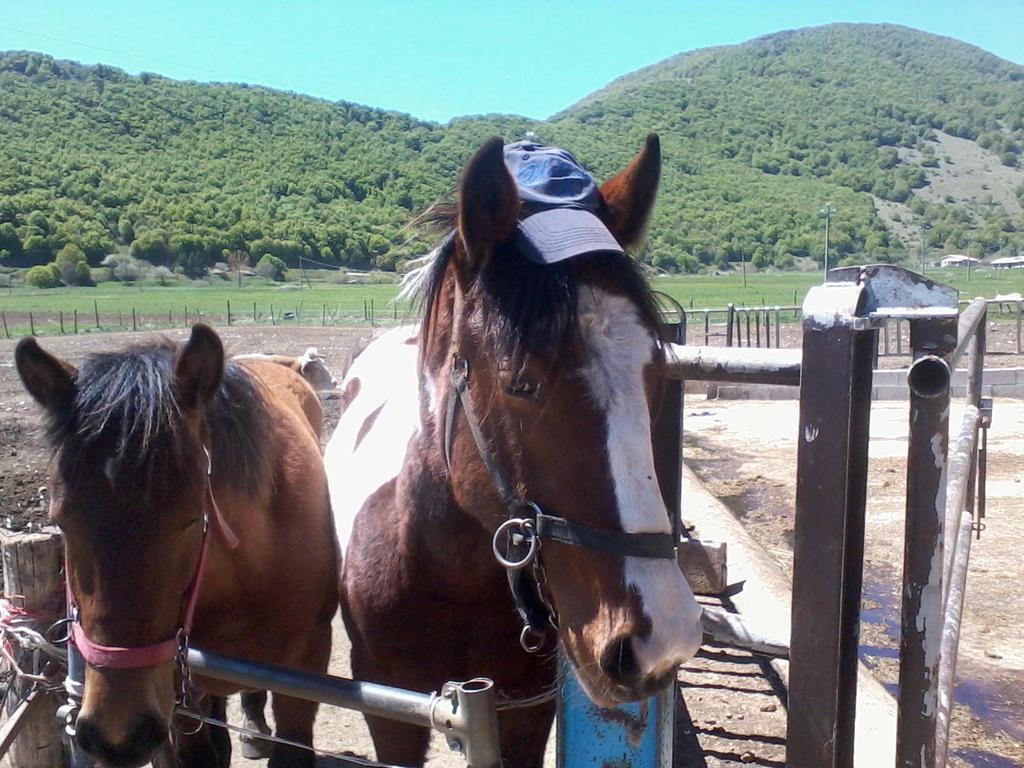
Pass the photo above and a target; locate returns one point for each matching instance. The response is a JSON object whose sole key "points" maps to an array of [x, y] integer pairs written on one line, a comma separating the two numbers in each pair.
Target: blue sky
{"points": [[441, 58]]}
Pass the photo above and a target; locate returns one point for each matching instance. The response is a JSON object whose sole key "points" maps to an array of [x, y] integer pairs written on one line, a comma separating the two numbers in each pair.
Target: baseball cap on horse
{"points": [[560, 202]]}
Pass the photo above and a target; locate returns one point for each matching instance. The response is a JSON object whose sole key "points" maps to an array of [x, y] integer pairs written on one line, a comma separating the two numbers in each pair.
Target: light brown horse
{"points": [[520, 405], [164, 455]]}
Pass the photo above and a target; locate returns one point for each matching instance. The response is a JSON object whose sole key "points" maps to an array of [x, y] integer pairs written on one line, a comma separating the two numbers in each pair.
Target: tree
{"points": [[270, 267], [36, 251], [73, 268], [41, 276], [151, 246], [10, 242], [124, 268]]}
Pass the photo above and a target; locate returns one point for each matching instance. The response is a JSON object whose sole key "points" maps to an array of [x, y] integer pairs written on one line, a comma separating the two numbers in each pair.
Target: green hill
{"points": [[756, 138]]}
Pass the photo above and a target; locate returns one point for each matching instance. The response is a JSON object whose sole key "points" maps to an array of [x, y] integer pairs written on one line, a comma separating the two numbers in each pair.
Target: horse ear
{"points": [[49, 380], [630, 195], [488, 201], [200, 367]]}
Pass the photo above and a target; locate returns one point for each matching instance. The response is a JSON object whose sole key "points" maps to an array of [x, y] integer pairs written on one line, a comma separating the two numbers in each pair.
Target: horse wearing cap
{"points": [[194, 509], [492, 476]]}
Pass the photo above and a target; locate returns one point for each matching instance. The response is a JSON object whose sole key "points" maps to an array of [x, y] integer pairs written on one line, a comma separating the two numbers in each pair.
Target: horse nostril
{"points": [[619, 661], [149, 733]]}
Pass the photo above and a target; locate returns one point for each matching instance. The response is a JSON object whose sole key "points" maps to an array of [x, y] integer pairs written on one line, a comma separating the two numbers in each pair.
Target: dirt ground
{"points": [[745, 452]]}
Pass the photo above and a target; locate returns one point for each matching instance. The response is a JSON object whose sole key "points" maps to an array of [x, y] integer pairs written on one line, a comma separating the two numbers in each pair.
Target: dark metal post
{"points": [[730, 325], [667, 438], [835, 407], [932, 341]]}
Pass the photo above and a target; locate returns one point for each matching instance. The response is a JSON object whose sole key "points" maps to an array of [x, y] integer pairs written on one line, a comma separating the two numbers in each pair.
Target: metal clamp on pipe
{"points": [[467, 715]]}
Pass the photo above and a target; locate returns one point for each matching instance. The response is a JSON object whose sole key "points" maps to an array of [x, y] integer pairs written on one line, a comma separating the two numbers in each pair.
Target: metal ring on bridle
{"points": [[531, 640], [516, 526]]}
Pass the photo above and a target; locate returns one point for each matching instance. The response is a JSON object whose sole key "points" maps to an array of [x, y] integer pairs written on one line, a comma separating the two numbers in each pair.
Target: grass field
{"points": [[256, 300]]}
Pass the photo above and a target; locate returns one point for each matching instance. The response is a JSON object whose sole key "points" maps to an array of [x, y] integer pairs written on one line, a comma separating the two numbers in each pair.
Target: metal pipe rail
{"points": [[464, 712], [733, 364], [940, 496]]}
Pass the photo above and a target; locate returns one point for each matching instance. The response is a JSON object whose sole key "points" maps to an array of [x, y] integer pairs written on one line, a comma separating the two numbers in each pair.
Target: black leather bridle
{"points": [[517, 541]]}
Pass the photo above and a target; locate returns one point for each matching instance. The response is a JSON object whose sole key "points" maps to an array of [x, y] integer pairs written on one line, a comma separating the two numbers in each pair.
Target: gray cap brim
{"points": [[556, 234]]}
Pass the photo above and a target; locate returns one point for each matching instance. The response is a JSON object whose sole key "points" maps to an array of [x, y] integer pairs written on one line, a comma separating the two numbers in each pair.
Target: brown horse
{"points": [[192, 500], [514, 424]]}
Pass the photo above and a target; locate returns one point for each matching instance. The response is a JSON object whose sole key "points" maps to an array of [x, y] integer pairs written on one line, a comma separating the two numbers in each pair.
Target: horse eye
{"points": [[524, 389]]}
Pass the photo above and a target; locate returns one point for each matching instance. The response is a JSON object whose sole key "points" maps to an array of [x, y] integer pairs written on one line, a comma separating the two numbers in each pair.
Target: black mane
{"points": [[125, 408], [530, 308]]}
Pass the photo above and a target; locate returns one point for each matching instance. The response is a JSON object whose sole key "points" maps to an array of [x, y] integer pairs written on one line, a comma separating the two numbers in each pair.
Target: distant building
{"points": [[1009, 262], [957, 260]]}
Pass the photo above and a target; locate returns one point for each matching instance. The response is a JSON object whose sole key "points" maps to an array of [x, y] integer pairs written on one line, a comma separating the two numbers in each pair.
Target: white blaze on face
{"points": [[357, 468], [619, 348]]}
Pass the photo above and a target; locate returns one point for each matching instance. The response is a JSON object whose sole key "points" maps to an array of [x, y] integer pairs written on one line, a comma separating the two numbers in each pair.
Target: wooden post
{"points": [[76, 322], [323, 316], [272, 320], [32, 569], [31, 324], [61, 315], [229, 311], [170, 317], [135, 325], [96, 312], [254, 312], [7, 333]]}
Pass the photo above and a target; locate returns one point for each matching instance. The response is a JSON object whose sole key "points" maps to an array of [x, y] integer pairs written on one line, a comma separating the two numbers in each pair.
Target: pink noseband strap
{"points": [[115, 657]]}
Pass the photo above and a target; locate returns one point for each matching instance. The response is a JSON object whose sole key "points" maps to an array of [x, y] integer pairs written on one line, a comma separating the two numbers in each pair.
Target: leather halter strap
{"points": [[547, 527], [528, 525], [137, 657]]}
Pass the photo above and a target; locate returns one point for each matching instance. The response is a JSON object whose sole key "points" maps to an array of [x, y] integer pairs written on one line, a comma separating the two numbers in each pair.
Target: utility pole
{"points": [[924, 246], [828, 212]]}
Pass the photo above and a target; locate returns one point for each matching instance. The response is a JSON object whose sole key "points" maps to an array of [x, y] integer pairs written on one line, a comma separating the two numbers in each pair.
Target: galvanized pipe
{"points": [[746, 365], [974, 314], [951, 637], [464, 712], [724, 628], [960, 464]]}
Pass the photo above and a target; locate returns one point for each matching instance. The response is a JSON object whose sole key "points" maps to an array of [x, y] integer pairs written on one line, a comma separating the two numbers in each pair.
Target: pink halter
{"points": [[118, 657]]}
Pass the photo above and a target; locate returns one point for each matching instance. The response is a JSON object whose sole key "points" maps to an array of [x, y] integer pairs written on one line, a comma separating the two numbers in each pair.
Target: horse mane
{"points": [[529, 308], [124, 404]]}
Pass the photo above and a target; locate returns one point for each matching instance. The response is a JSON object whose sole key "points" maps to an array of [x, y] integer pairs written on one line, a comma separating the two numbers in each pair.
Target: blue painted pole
{"points": [[632, 735]]}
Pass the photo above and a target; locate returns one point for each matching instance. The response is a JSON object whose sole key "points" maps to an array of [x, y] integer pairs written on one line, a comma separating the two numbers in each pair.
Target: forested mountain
{"points": [[756, 138]]}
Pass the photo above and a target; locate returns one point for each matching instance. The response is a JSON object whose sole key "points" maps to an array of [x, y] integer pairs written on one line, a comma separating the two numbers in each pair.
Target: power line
{"points": [[107, 50]]}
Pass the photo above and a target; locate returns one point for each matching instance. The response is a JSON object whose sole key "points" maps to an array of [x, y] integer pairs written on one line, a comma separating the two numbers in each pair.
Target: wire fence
{"points": [[129, 318]]}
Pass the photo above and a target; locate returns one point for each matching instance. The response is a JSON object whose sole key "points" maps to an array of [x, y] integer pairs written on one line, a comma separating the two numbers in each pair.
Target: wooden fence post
{"points": [[7, 333], [96, 312], [31, 324], [76, 322], [254, 312], [229, 311], [61, 314], [32, 569], [135, 326]]}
